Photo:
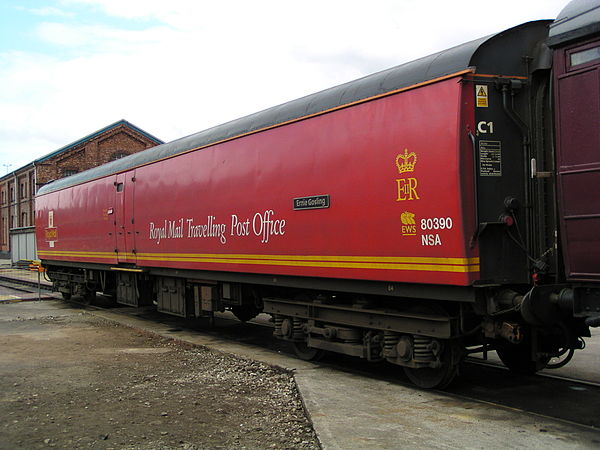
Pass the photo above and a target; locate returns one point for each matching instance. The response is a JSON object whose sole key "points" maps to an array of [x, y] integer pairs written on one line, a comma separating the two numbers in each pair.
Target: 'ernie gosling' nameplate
{"points": [[312, 202]]}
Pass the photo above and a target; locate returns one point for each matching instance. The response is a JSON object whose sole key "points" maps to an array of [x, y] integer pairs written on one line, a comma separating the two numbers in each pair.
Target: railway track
{"points": [[14, 286], [499, 366], [21, 285]]}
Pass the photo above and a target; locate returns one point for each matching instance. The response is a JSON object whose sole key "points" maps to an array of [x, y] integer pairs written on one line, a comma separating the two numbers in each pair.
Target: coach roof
{"points": [[580, 18], [499, 55]]}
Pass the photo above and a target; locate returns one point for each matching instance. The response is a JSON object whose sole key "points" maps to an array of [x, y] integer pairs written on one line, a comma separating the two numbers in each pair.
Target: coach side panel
{"points": [[374, 191], [76, 224]]}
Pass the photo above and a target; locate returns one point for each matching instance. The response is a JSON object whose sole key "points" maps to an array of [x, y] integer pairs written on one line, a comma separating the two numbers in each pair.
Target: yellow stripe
{"points": [[234, 256], [101, 255], [382, 259], [123, 269], [343, 262], [184, 256], [336, 264]]}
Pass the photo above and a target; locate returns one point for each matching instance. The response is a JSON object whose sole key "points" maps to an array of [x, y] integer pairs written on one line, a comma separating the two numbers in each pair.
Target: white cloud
{"points": [[50, 11], [99, 38]]}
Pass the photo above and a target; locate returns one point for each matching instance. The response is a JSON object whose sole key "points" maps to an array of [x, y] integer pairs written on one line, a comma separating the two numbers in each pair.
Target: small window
{"points": [[585, 56], [69, 172], [119, 187], [119, 155]]}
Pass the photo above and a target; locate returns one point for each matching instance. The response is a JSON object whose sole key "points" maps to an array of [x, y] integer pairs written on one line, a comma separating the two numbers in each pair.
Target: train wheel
{"points": [[450, 357], [307, 353], [517, 357], [438, 378]]}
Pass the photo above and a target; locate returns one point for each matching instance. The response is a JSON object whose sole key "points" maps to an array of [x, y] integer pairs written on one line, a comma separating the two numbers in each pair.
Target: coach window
{"points": [[119, 187], [589, 55]]}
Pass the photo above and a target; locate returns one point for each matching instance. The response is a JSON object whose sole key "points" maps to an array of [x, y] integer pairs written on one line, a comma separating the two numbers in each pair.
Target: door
{"points": [[577, 93], [125, 236]]}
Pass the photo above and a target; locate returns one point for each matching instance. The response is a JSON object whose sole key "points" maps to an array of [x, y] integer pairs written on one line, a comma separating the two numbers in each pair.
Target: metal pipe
{"points": [[509, 110], [475, 188]]}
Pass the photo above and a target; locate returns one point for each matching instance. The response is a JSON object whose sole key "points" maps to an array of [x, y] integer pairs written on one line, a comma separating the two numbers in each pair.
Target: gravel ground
{"points": [[76, 381]]}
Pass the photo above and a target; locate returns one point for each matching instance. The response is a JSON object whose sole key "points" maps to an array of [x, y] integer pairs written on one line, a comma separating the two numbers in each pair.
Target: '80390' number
{"points": [[436, 223]]}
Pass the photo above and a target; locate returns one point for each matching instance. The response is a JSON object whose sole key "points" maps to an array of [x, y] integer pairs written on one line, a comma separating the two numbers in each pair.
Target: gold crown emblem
{"points": [[408, 161], [407, 218]]}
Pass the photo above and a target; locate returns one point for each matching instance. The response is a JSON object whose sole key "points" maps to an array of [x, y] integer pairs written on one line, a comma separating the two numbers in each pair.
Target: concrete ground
{"points": [[349, 410]]}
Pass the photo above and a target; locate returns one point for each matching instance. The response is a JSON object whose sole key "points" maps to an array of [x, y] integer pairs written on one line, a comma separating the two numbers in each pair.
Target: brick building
{"points": [[18, 188]]}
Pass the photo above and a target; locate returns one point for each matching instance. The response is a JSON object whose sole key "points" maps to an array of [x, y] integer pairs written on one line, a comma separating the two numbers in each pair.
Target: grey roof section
{"points": [[425, 69], [579, 19]]}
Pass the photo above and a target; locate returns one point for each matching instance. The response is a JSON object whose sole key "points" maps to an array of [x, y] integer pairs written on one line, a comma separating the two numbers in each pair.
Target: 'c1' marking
{"points": [[484, 127]]}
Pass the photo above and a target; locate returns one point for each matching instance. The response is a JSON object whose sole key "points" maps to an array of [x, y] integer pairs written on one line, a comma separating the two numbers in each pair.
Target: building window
{"points": [[23, 190], [69, 172], [3, 197], [24, 219], [12, 194]]}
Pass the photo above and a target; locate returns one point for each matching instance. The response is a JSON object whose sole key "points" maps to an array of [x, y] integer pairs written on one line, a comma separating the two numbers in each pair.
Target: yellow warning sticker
{"points": [[481, 93]]}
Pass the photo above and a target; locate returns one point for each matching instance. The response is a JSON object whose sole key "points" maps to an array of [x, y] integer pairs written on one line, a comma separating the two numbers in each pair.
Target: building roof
{"points": [[84, 139], [95, 134]]}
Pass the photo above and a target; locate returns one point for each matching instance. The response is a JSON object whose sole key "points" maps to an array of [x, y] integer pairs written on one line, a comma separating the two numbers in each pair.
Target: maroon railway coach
{"points": [[415, 215]]}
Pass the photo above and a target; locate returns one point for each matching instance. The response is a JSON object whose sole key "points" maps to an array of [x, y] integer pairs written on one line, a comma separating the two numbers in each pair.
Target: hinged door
{"points": [[124, 220]]}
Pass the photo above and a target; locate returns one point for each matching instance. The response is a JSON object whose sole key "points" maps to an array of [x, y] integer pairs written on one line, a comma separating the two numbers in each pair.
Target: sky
{"points": [[175, 67]]}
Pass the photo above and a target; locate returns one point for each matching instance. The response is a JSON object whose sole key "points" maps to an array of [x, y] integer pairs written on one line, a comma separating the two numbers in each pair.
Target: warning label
{"points": [[481, 93]]}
